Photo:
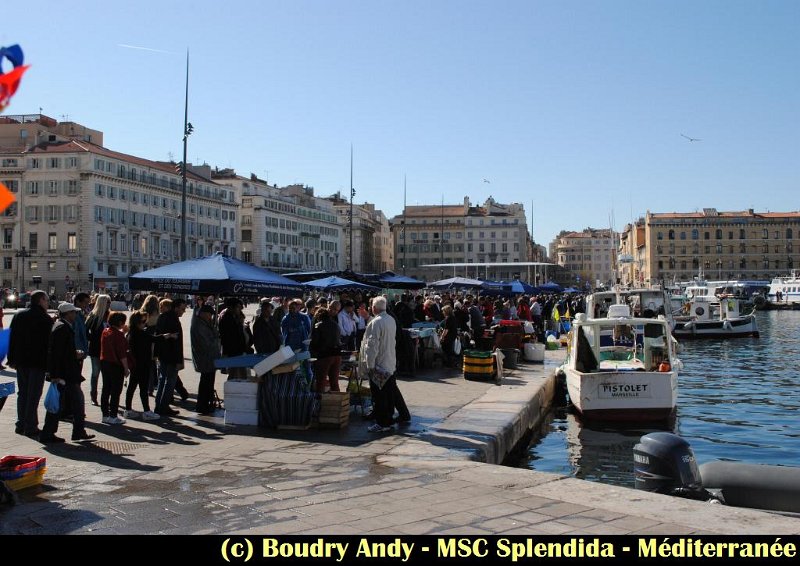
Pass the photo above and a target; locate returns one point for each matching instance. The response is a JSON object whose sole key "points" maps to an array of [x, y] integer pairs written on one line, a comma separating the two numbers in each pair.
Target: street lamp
{"points": [[187, 130], [22, 254]]}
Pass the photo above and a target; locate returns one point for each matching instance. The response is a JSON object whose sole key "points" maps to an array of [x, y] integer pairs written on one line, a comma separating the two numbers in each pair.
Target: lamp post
{"points": [[187, 130], [352, 194], [23, 254]]}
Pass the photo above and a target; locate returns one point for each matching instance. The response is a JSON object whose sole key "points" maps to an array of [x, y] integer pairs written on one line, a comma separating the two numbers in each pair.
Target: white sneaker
{"points": [[150, 416], [108, 420], [116, 420], [132, 414]]}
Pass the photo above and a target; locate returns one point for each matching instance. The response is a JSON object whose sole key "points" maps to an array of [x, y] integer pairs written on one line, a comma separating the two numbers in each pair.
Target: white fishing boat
{"points": [[622, 368], [722, 319], [784, 292]]}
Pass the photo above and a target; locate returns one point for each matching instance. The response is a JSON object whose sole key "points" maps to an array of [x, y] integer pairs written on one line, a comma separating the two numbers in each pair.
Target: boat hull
{"points": [[734, 328], [630, 396]]}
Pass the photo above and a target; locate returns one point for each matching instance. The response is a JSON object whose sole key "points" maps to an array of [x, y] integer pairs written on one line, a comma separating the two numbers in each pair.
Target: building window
{"points": [[52, 188], [72, 242], [7, 263], [53, 213], [33, 241], [671, 235], [32, 188], [788, 233], [718, 234], [765, 234], [52, 242], [51, 266], [742, 234], [72, 188], [33, 213], [100, 243], [706, 235], [683, 235]]}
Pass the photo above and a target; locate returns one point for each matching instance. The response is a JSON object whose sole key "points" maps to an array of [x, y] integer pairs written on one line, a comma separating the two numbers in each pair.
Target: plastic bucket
{"points": [[510, 357], [534, 352]]}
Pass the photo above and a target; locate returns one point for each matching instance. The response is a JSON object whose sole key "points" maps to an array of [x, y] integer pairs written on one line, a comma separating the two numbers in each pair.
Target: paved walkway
{"points": [[194, 475]]}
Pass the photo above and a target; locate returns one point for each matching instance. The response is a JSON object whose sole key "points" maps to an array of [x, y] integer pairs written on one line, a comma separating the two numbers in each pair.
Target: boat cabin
{"points": [[621, 343]]}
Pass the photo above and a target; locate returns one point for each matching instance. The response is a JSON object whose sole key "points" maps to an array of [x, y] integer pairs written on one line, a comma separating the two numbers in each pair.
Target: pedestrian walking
{"points": [[64, 369], [115, 367], [28, 343]]}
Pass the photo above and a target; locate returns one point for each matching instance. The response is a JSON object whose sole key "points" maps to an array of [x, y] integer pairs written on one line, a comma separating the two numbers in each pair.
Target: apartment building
{"points": [[88, 217], [372, 251], [438, 234], [677, 246], [284, 229], [589, 255]]}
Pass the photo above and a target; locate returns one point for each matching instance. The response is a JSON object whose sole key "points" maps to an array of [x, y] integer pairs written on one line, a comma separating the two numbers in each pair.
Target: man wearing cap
{"points": [[30, 333], [64, 369], [205, 349]]}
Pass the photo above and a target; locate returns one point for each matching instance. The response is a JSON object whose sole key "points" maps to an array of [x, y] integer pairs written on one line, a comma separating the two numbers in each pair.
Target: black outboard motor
{"points": [[664, 463]]}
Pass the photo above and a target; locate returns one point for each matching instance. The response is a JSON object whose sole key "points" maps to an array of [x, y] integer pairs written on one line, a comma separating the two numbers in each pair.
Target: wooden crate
{"points": [[334, 409], [286, 368]]}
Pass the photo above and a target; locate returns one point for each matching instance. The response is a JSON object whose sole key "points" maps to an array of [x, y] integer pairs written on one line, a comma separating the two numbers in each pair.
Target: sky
{"points": [[576, 109]]}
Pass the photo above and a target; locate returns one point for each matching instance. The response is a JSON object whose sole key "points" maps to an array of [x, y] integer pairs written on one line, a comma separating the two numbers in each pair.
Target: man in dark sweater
{"points": [[64, 369], [30, 334], [170, 355]]}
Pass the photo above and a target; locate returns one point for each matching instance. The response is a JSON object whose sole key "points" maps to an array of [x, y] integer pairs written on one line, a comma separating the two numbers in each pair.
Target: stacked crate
{"points": [[334, 409]]}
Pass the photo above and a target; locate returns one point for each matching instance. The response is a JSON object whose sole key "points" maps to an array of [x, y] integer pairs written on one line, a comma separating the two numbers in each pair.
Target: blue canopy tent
{"points": [[572, 290], [550, 287], [515, 287], [389, 280], [335, 284], [456, 283], [216, 274]]}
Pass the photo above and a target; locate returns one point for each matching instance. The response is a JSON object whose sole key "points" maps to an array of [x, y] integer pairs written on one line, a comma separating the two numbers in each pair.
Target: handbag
{"points": [[52, 401], [457, 346]]}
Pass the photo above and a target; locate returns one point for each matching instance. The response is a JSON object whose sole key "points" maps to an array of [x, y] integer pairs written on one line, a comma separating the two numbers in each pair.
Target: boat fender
{"points": [[758, 486], [688, 325], [727, 325]]}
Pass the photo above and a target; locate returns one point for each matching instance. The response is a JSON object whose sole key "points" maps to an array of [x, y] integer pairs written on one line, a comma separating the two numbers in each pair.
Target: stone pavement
{"points": [[194, 475]]}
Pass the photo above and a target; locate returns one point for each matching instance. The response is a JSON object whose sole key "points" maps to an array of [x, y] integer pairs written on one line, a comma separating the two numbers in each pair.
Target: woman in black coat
{"points": [[267, 337], [325, 348]]}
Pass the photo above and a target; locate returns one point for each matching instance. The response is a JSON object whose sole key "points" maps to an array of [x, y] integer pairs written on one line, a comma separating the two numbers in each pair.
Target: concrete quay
{"points": [[194, 475]]}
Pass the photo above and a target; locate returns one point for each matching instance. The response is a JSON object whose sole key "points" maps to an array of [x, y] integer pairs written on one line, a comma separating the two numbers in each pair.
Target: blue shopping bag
{"points": [[5, 335], [52, 401]]}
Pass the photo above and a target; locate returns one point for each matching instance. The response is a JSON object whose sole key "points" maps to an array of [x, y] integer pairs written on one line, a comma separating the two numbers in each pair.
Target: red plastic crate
{"points": [[14, 467]]}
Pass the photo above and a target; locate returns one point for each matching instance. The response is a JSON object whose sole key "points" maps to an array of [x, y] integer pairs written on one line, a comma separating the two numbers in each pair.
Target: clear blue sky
{"points": [[576, 106]]}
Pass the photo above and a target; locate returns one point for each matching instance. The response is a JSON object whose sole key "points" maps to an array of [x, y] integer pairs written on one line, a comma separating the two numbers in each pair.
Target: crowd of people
{"points": [[146, 347]]}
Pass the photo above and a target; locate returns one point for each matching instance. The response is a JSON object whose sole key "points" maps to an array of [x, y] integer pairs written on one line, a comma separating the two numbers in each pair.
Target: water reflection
{"points": [[737, 400]]}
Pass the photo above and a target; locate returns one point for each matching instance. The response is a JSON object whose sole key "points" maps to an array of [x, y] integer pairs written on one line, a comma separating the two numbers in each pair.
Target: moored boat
{"points": [[722, 319], [622, 368], [784, 292]]}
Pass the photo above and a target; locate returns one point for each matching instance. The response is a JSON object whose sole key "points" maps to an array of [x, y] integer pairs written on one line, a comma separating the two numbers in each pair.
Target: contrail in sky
{"points": [[145, 48]]}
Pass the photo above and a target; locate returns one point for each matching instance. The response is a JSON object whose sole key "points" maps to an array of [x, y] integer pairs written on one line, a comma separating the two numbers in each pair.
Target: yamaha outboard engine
{"points": [[664, 463]]}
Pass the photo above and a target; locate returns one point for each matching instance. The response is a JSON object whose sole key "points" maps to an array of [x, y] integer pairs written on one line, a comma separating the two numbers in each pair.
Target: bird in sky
{"points": [[486, 180], [691, 139]]}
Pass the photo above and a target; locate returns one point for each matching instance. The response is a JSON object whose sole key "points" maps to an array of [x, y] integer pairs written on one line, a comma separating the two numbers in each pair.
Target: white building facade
{"points": [[87, 217], [285, 229]]}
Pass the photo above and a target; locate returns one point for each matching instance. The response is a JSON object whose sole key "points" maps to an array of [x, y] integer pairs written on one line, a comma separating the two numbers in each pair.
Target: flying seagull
{"points": [[486, 180], [691, 139]]}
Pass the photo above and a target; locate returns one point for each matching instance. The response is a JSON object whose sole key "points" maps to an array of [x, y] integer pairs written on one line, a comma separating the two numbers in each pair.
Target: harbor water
{"points": [[737, 400]]}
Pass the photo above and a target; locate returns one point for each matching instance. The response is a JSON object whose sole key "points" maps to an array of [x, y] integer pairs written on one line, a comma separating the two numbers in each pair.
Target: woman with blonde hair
{"points": [[96, 322], [150, 311]]}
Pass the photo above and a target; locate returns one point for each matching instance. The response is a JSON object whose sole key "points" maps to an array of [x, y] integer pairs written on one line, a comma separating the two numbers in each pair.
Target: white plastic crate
{"points": [[240, 417]]}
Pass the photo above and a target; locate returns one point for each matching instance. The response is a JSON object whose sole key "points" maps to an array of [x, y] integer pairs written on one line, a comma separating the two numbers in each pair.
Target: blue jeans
{"points": [[167, 377], [95, 376], [30, 383]]}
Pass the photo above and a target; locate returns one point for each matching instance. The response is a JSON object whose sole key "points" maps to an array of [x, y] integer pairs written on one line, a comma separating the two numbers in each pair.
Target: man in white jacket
{"points": [[378, 361]]}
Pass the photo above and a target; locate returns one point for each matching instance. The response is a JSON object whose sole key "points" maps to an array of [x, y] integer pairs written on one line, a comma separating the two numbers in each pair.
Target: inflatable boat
{"points": [[665, 463]]}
